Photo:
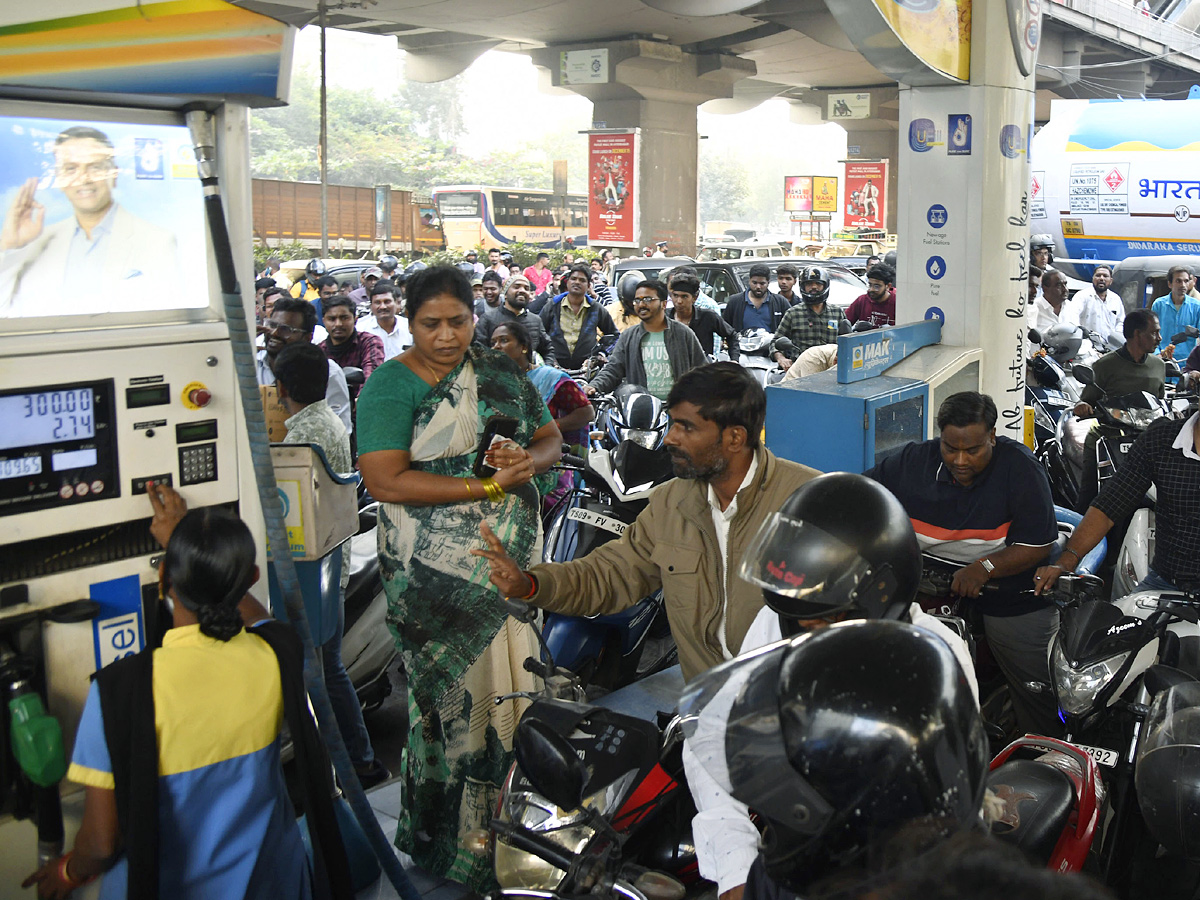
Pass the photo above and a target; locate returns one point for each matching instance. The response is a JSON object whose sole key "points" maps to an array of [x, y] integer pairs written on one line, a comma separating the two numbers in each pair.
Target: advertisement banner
{"points": [[825, 195], [937, 33], [612, 189], [866, 194], [797, 193]]}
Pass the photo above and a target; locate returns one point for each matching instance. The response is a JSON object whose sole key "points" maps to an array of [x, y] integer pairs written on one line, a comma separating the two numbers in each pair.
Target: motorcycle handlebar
{"points": [[572, 461]]}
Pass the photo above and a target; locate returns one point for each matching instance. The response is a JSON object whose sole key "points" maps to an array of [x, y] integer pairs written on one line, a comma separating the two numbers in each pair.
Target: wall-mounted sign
{"points": [[612, 189], [866, 194], [848, 106], [583, 66]]}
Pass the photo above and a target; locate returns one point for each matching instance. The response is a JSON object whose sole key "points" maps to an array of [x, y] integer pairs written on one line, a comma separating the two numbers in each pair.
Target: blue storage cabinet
{"points": [[844, 427]]}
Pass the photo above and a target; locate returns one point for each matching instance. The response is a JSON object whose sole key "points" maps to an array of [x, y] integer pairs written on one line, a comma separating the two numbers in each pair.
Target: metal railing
{"points": [[1124, 15]]}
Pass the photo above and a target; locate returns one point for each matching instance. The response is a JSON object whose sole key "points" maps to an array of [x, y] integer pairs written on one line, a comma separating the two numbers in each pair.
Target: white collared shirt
{"points": [[394, 343], [721, 519], [1185, 440]]}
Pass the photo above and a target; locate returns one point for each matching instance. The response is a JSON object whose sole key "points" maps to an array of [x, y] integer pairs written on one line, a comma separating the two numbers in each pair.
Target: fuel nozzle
{"points": [[204, 143]]}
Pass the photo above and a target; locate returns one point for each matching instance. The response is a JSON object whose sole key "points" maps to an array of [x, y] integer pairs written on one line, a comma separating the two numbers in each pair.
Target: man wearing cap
{"points": [[367, 279], [661, 250]]}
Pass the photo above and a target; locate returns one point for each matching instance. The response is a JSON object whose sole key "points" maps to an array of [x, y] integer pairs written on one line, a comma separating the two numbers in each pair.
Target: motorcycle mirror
{"points": [[1084, 374], [550, 763], [1191, 331], [354, 375], [863, 325], [1172, 369], [843, 327], [1035, 336], [1183, 335], [785, 346]]}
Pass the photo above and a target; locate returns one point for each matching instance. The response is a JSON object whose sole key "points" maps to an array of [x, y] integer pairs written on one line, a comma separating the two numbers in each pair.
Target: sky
{"points": [[763, 139]]}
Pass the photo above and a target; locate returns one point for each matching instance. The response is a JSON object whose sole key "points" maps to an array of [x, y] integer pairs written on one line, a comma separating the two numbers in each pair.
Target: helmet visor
{"points": [[730, 716], [802, 562]]}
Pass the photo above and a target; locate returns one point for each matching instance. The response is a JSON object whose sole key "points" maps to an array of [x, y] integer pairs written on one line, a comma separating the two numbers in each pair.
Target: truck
{"points": [[1113, 179], [285, 211]]}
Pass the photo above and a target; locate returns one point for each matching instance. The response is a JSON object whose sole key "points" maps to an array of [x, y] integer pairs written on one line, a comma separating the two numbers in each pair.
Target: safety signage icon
{"points": [[935, 267], [935, 312], [937, 216], [959, 130]]}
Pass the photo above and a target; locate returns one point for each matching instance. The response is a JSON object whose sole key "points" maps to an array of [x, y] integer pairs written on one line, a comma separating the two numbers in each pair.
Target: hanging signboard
{"points": [[866, 194], [797, 193], [825, 195], [612, 188]]}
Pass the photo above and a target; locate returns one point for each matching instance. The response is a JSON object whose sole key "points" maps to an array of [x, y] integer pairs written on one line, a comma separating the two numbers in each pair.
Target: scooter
{"points": [[756, 353], [595, 802], [1050, 392], [612, 487]]}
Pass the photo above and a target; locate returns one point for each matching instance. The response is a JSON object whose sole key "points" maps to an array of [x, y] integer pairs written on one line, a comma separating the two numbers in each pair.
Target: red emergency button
{"points": [[199, 397]]}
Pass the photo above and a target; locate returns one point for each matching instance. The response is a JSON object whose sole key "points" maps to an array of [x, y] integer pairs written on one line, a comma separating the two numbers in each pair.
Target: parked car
{"points": [[642, 267], [344, 270], [740, 250], [721, 280]]}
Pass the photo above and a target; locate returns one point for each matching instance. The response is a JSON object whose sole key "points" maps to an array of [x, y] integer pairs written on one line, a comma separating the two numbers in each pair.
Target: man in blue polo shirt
{"points": [[984, 501]]}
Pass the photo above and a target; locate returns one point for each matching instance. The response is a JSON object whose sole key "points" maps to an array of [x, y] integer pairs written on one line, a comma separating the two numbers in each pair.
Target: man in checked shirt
{"points": [[1165, 455]]}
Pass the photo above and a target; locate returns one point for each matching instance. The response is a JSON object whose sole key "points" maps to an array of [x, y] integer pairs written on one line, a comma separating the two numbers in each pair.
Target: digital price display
{"points": [[36, 419], [25, 465]]}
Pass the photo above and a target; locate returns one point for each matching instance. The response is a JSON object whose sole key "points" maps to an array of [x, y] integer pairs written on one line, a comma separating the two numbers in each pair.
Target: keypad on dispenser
{"points": [[198, 464]]}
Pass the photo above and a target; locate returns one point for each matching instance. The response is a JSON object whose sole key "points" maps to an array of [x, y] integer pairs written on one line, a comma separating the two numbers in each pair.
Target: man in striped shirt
{"points": [[984, 501]]}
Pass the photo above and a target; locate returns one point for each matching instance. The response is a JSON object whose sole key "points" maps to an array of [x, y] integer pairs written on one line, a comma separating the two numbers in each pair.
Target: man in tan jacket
{"points": [[690, 538]]}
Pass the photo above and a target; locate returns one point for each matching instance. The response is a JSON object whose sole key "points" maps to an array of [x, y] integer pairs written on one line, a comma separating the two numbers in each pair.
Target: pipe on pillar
{"points": [[323, 143]]}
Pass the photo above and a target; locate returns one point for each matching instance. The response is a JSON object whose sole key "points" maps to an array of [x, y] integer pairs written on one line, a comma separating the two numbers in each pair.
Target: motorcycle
{"points": [[612, 487], [1107, 662], [1050, 392], [595, 802]]}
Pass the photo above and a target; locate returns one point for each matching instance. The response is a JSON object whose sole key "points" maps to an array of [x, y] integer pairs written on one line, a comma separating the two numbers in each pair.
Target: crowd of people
{"points": [[447, 352]]}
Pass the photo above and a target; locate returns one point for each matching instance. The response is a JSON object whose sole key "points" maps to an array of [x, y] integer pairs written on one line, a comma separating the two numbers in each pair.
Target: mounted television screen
{"points": [[100, 216]]}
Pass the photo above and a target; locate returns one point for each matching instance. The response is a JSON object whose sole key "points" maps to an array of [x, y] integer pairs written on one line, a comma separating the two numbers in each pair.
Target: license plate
{"points": [[597, 520], [1099, 754]]}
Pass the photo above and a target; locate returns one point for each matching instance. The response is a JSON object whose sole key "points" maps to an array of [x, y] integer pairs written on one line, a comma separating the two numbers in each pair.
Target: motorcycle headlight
{"points": [[643, 438], [1076, 688], [1140, 418], [1041, 418]]}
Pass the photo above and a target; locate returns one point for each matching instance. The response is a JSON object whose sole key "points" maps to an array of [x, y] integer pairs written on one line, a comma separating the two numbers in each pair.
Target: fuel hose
{"points": [[201, 125]]}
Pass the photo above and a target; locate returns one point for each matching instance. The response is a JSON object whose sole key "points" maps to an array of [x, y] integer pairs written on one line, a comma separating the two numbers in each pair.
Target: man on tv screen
{"points": [[118, 258]]}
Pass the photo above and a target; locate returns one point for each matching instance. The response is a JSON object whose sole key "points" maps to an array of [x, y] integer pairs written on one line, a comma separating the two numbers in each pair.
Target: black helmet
{"points": [[889, 259], [860, 745], [814, 273], [506, 255], [840, 542], [413, 267], [315, 268], [389, 263], [466, 268], [1167, 774]]}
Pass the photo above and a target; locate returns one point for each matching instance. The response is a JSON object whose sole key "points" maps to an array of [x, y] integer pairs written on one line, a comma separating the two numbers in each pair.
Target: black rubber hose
{"points": [[264, 472]]}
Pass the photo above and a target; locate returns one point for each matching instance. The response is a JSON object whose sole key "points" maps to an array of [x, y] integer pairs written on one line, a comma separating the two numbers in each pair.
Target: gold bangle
{"points": [[470, 493], [495, 493]]}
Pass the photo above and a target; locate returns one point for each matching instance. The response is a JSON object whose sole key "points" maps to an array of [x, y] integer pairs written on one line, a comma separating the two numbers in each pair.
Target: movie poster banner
{"points": [[866, 194], [797, 193], [612, 188], [825, 193]]}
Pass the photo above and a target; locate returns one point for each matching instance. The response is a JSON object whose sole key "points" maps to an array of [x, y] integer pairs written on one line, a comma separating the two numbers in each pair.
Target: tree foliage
{"points": [[724, 187], [407, 142]]}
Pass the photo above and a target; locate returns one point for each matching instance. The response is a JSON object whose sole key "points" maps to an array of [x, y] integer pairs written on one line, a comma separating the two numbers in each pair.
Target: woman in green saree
{"points": [[420, 418]]}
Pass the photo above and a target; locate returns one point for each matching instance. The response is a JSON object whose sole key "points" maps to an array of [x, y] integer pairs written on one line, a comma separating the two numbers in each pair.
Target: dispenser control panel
{"points": [[126, 417]]}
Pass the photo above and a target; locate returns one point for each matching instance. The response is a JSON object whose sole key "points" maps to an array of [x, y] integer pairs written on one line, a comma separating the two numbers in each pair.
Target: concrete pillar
{"points": [[655, 87], [964, 210]]}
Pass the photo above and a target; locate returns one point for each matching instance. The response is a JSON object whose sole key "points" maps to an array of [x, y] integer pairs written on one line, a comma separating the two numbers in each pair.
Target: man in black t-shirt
{"points": [[985, 501], [705, 324]]}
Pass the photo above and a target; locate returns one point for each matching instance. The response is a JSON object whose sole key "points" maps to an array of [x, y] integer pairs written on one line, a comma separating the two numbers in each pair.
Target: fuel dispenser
{"points": [[116, 364], [883, 393]]}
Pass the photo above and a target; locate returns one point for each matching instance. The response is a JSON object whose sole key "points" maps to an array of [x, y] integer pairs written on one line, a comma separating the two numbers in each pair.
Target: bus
{"points": [[475, 214]]}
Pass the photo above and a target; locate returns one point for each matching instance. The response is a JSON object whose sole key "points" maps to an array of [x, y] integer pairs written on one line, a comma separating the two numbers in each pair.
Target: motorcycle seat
{"points": [[365, 581], [1038, 801]]}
